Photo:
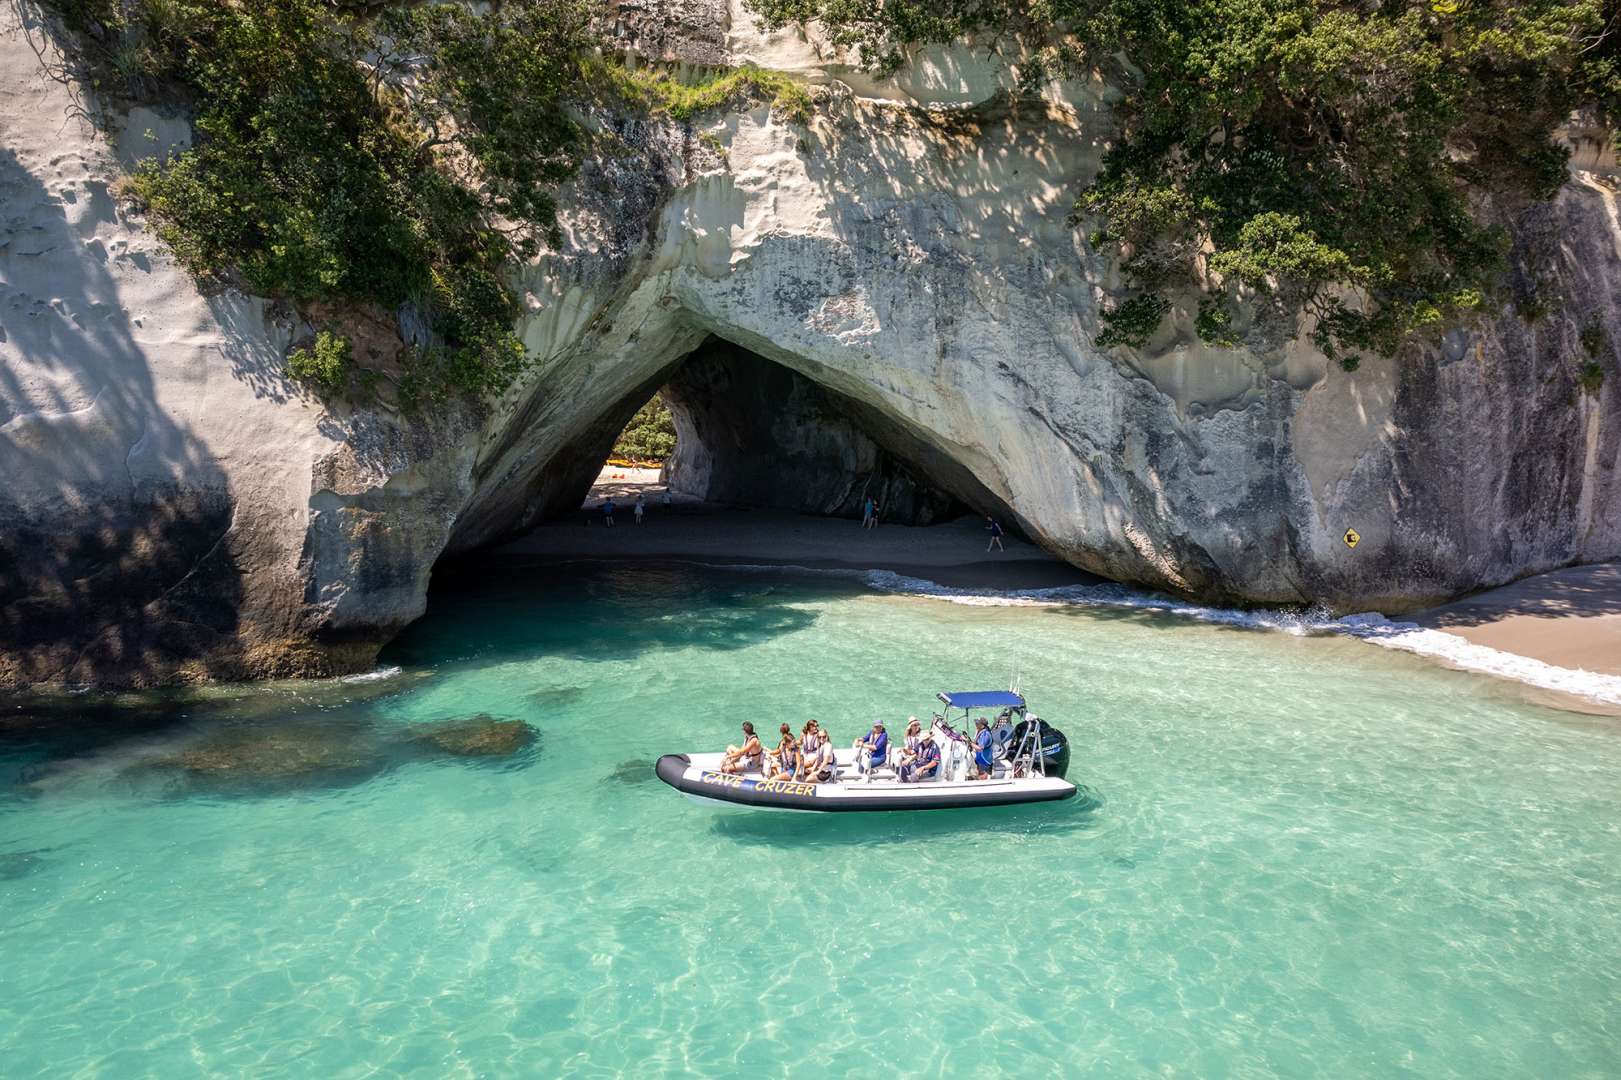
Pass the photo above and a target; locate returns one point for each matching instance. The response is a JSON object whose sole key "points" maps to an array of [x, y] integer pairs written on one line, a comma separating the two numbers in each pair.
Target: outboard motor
{"points": [[1052, 747]]}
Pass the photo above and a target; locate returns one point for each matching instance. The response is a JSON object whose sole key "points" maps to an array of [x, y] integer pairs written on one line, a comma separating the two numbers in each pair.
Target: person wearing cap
{"points": [[982, 749], [876, 745]]}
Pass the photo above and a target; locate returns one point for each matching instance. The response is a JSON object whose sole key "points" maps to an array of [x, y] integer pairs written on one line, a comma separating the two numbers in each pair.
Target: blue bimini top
{"points": [[983, 699]]}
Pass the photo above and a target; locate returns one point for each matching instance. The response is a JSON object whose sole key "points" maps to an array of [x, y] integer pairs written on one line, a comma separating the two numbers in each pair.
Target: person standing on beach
{"points": [[608, 512], [866, 512], [640, 508], [872, 519], [996, 534]]}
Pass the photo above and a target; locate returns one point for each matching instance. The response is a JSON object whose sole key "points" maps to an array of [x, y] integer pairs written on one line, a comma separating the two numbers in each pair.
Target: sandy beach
{"points": [[1569, 618], [952, 554]]}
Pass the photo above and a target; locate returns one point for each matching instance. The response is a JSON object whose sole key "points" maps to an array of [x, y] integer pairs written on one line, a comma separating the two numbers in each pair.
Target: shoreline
{"points": [[1557, 634], [1569, 618]]}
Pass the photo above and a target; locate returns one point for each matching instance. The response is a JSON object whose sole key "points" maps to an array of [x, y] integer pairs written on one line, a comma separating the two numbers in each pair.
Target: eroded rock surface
{"points": [[174, 508]]}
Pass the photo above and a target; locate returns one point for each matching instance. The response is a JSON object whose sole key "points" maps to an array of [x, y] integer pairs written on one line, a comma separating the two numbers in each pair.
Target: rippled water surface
{"points": [[1298, 856]]}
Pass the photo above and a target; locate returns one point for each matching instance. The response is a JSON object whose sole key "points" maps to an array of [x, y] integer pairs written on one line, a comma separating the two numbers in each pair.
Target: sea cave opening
{"points": [[729, 429], [738, 458]]}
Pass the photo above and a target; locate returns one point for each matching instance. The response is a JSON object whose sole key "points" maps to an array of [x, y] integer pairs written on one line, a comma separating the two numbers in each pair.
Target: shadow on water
{"points": [[1071, 817], [635, 771], [510, 609]]}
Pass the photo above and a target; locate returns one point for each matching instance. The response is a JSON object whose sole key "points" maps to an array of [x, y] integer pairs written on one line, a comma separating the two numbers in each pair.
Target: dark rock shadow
{"points": [[116, 560]]}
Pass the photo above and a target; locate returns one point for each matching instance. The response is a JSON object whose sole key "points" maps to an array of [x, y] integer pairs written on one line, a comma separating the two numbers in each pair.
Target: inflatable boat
{"points": [[1028, 759]]}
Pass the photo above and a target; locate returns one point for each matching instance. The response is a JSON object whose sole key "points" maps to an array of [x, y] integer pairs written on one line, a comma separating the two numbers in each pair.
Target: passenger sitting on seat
{"points": [[876, 744], [821, 766], [747, 756], [926, 765], [810, 741], [786, 755], [914, 740], [982, 749]]}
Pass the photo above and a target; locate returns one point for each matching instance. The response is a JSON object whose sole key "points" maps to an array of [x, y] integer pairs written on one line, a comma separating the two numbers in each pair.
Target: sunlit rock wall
{"points": [[174, 508]]}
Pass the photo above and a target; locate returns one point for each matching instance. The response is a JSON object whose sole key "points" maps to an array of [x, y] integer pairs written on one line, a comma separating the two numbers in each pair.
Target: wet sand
{"points": [[1569, 618]]}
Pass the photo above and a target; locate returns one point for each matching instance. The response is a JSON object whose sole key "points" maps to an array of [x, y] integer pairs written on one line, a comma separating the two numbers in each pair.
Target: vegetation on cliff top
{"points": [[330, 167], [353, 152], [1323, 152]]}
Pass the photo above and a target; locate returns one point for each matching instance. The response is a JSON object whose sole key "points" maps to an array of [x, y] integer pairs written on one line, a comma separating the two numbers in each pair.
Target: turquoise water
{"points": [[1296, 856]]}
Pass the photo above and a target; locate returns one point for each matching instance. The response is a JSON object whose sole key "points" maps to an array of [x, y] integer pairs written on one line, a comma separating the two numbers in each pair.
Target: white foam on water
{"points": [[376, 675], [1370, 627]]}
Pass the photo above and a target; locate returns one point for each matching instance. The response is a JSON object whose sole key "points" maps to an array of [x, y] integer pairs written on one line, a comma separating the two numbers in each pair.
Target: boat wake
{"points": [[1370, 627]]}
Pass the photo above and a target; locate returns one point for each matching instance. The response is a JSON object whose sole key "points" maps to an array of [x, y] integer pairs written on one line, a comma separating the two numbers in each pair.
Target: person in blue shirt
{"points": [[982, 748], [876, 744]]}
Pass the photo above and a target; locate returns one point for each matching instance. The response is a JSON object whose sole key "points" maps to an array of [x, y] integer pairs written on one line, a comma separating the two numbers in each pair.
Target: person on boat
{"points": [[911, 742], [876, 746], [982, 749], [810, 743], [742, 758], [786, 754], [925, 766], [821, 766]]}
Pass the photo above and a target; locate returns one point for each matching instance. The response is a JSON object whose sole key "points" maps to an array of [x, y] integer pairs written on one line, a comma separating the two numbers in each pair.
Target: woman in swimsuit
{"points": [[741, 758]]}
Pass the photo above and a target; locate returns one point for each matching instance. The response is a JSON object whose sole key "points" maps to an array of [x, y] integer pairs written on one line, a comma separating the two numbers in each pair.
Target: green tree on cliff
{"points": [[1326, 152]]}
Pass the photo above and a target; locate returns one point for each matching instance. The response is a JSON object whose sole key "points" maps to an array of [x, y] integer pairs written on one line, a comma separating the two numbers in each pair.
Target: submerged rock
{"points": [[273, 752], [477, 736]]}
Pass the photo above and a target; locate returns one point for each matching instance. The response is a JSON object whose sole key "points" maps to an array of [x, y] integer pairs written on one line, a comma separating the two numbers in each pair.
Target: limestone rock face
{"points": [[173, 508]]}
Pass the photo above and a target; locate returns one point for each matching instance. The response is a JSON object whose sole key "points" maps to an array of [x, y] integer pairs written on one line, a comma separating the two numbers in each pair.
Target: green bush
{"points": [[335, 163], [325, 366], [1133, 321], [1594, 339], [1309, 148], [650, 435], [1590, 377], [657, 89]]}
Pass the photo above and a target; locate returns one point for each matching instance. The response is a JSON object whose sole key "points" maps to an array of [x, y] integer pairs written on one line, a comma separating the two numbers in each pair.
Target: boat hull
{"points": [[702, 780]]}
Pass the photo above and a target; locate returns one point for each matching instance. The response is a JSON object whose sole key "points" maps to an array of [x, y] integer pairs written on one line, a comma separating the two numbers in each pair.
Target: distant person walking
{"points": [[640, 508], [996, 535], [665, 498], [608, 513]]}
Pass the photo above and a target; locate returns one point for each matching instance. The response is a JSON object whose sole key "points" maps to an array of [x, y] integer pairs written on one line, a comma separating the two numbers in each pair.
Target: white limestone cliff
{"points": [[907, 252]]}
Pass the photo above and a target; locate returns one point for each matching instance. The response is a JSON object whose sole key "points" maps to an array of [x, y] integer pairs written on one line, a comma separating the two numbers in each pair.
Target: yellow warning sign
{"points": [[1351, 538]]}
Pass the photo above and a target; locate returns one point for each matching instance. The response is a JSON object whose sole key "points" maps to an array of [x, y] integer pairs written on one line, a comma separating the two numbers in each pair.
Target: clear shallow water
{"points": [[1299, 856]]}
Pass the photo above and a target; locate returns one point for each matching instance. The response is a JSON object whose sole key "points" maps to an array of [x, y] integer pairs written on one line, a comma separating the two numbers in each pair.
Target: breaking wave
{"points": [[1370, 627]]}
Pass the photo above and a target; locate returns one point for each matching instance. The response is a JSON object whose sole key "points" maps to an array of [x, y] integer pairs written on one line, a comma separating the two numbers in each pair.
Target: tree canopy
{"points": [[1323, 152]]}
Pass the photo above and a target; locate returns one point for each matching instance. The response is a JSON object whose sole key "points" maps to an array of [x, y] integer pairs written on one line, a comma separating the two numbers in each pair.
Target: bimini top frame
{"points": [[983, 699]]}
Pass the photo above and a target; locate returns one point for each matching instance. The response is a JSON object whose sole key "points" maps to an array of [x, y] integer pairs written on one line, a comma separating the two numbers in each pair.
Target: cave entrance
{"points": [[730, 428]]}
